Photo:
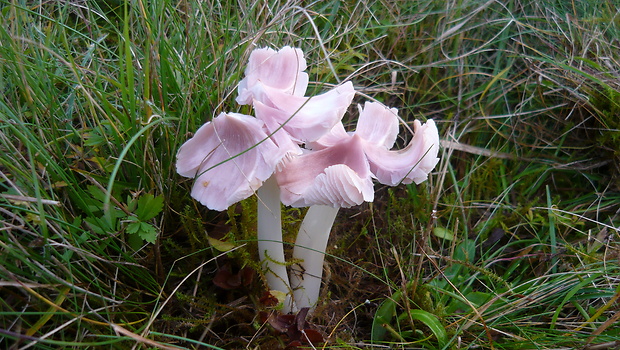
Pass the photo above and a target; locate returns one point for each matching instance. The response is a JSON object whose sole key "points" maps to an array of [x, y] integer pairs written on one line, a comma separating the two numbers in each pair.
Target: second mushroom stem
{"points": [[270, 246], [309, 253]]}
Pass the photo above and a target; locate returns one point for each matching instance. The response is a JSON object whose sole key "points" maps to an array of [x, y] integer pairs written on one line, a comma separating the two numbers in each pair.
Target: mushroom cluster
{"points": [[296, 151]]}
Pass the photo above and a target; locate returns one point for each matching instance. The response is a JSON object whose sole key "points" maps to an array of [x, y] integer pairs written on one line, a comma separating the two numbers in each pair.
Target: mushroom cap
{"points": [[377, 124], [230, 157], [305, 119], [338, 169], [281, 70], [337, 176], [411, 164]]}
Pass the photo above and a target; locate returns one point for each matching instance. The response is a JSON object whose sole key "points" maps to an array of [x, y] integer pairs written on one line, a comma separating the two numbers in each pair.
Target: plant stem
{"points": [[310, 252], [270, 247]]}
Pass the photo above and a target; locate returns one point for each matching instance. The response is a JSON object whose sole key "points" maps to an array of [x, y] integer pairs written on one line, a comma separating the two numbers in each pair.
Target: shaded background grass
{"points": [[511, 243]]}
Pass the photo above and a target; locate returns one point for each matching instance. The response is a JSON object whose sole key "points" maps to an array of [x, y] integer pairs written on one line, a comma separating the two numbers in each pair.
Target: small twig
{"points": [[603, 346], [16, 198]]}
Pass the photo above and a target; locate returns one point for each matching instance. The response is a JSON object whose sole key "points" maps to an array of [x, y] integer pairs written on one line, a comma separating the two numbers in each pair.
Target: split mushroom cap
{"points": [[338, 171], [411, 164]]}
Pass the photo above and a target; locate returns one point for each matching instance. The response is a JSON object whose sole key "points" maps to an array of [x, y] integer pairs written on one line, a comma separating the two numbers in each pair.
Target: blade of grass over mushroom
{"points": [[268, 137]]}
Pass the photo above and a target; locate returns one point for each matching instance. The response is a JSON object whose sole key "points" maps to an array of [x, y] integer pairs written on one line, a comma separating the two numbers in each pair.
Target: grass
{"points": [[511, 244]]}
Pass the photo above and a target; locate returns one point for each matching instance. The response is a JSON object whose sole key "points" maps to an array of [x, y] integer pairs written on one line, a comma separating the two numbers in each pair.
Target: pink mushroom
{"points": [[338, 172], [275, 85], [235, 155], [230, 158], [270, 71]]}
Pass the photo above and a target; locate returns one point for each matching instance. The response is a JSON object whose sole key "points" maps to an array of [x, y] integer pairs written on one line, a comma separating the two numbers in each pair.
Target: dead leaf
{"points": [[226, 279]]}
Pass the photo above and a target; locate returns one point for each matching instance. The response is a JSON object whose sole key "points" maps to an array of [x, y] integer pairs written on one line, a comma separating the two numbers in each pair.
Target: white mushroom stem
{"points": [[270, 246], [309, 250]]}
